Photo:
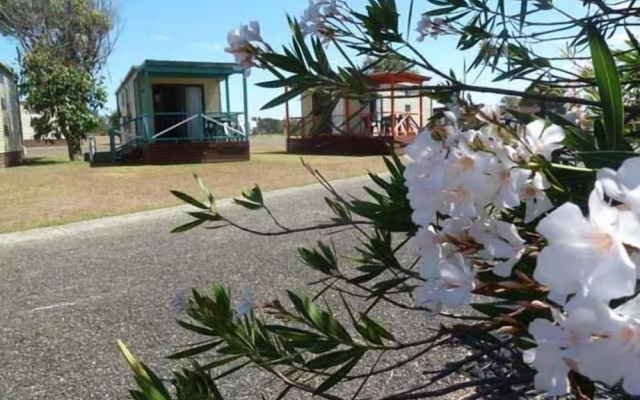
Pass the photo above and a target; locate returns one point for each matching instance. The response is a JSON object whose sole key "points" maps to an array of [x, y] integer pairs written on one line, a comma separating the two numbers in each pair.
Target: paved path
{"points": [[67, 294]]}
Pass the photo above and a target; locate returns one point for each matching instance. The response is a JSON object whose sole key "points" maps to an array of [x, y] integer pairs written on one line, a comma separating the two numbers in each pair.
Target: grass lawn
{"points": [[51, 191]]}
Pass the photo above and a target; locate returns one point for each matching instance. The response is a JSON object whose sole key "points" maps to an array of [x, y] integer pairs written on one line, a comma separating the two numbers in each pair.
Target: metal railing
{"points": [[367, 124], [199, 127], [207, 126]]}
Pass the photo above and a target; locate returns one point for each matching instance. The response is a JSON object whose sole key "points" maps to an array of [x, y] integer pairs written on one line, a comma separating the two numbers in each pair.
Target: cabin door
{"points": [[194, 106], [173, 104]]}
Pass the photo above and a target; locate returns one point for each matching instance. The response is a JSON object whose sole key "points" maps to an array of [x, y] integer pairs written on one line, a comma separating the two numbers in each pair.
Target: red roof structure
{"points": [[391, 78]]}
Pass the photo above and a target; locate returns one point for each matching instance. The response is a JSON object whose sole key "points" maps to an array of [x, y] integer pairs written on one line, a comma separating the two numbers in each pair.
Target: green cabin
{"points": [[180, 112]]}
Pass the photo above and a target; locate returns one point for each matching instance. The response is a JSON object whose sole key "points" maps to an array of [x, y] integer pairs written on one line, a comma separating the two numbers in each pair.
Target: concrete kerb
{"points": [[123, 220]]}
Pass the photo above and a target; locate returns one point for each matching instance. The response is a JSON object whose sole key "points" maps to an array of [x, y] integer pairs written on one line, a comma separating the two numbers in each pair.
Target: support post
{"points": [[421, 108], [246, 107], [227, 95], [347, 115], [148, 115], [112, 144], [286, 115], [393, 112]]}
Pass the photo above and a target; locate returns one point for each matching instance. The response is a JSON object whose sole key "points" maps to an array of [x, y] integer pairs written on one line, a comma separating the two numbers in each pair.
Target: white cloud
{"points": [[160, 38]]}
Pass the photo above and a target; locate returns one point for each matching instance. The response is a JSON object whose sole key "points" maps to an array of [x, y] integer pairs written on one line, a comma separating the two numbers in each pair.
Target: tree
{"points": [[388, 63], [532, 226], [269, 126], [63, 47]]}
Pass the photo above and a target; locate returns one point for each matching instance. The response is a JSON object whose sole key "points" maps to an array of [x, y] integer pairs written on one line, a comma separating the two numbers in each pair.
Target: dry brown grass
{"points": [[52, 191]]}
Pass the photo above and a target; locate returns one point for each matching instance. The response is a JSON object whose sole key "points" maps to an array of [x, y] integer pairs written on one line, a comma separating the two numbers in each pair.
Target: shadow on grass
{"points": [[40, 161]]}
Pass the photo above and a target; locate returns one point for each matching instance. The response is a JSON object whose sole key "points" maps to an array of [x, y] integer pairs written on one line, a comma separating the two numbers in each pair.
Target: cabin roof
{"points": [[382, 78], [166, 68]]}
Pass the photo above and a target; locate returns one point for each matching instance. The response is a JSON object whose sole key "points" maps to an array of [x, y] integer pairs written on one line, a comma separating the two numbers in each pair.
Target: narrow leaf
{"points": [[608, 80], [188, 226], [188, 199]]}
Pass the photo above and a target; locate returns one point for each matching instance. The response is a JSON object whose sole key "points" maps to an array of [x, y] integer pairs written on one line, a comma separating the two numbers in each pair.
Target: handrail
{"points": [[204, 116], [226, 126], [191, 118]]}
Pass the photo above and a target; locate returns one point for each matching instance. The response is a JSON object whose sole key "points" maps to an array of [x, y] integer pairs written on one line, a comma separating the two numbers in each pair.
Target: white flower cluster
{"points": [[428, 27], [589, 262], [458, 182], [313, 21], [242, 44]]}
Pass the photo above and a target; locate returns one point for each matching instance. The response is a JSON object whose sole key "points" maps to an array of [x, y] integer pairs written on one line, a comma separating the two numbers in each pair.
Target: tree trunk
{"points": [[74, 147]]}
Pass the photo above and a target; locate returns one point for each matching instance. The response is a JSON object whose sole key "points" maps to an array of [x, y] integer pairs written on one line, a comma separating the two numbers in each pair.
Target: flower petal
{"points": [[564, 224], [614, 277]]}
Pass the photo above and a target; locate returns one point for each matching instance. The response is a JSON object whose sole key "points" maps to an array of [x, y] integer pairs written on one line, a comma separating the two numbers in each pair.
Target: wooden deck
{"points": [[194, 152], [10, 159], [178, 153], [347, 144]]}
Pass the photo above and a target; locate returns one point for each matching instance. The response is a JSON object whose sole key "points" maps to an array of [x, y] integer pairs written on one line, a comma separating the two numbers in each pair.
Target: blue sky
{"points": [[196, 30]]}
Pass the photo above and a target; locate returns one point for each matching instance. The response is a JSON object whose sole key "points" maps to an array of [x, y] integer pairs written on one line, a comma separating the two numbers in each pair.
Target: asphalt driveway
{"points": [[67, 294]]}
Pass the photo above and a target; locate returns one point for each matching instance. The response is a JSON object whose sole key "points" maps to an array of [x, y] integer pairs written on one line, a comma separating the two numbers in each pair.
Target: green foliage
{"points": [[610, 91], [65, 97], [64, 45], [315, 343], [267, 126], [387, 63]]}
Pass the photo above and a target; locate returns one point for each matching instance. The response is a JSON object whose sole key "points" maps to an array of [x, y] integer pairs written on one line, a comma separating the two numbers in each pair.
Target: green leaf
{"points": [[188, 199], [523, 12], [334, 358], [337, 376], [324, 260], [188, 226], [195, 350], [288, 64], [575, 138], [600, 135], [283, 98], [249, 205], [202, 330], [220, 362], [375, 327], [205, 190], [608, 80], [205, 216]]}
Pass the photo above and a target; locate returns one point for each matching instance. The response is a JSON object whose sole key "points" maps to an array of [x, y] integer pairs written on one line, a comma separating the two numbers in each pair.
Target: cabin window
{"points": [[407, 108], [3, 103]]}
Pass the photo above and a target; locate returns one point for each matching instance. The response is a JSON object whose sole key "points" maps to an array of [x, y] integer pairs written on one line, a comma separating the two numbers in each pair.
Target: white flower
{"points": [[449, 282], [490, 114], [591, 339], [241, 47], [535, 198], [588, 255], [427, 27], [541, 140], [314, 19], [246, 305], [547, 357], [623, 185], [509, 181], [502, 245]]}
